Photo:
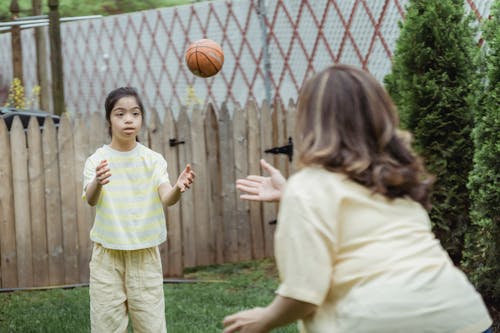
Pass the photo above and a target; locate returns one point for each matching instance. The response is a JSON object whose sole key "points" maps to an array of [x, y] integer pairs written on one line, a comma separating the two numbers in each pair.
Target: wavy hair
{"points": [[347, 123]]}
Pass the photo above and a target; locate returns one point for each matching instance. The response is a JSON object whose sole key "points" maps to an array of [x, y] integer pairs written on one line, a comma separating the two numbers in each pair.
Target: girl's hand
{"points": [[259, 188], [185, 179], [102, 173], [247, 321]]}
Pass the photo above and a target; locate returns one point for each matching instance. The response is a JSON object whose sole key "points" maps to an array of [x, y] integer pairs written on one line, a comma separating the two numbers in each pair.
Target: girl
{"points": [[129, 185], [354, 246]]}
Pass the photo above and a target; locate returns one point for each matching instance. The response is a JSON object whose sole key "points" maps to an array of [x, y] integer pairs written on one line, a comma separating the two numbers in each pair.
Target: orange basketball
{"points": [[204, 58]]}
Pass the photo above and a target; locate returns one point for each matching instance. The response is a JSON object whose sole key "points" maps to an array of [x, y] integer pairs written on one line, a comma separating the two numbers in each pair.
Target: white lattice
{"points": [[146, 49]]}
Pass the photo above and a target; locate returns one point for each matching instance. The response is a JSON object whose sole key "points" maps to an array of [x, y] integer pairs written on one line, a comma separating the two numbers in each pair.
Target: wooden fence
{"points": [[45, 224]]}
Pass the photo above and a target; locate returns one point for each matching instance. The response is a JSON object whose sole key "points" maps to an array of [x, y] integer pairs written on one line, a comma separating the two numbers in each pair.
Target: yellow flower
{"points": [[16, 97]]}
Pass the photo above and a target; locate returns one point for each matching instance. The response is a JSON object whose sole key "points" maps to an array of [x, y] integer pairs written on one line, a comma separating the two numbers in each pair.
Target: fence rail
{"points": [[45, 224]]}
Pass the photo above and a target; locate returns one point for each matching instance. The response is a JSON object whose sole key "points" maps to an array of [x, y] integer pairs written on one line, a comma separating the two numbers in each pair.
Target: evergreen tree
{"points": [[430, 83], [482, 253]]}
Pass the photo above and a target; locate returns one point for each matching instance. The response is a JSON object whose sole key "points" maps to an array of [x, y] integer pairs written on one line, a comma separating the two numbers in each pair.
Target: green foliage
{"points": [[190, 307], [430, 83], [91, 7], [481, 256]]}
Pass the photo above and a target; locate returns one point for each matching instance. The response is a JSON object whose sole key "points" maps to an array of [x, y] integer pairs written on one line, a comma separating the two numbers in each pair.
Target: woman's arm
{"points": [[280, 312]]}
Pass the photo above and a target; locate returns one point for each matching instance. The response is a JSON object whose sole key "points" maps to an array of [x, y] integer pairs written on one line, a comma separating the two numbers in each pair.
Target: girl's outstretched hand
{"points": [[259, 188], [186, 178], [102, 173]]}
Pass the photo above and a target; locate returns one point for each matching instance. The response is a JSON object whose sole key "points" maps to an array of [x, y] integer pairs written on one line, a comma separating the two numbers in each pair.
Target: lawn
{"points": [[190, 307]]}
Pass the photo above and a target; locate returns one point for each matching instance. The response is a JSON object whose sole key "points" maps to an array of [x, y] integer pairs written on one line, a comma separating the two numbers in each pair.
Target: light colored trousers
{"points": [[123, 284]]}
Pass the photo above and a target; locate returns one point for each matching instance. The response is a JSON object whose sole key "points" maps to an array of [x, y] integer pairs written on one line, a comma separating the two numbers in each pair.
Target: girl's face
{"points": [[126, 119]]}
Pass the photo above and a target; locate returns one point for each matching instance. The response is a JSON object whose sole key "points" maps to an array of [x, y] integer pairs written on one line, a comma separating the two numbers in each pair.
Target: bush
{"points": [[481, 256], [430, 83]]}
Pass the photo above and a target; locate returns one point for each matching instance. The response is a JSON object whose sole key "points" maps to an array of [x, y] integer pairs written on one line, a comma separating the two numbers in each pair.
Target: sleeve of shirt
{"points": [[161, 172], [88, 175], [304, 250]]}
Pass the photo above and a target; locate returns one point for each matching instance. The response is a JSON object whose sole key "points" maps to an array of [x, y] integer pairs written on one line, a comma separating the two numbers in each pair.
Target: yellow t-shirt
{"points": [[129, 213], [369, 263]]}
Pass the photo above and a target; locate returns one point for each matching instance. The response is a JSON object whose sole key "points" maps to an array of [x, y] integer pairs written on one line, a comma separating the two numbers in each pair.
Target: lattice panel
{"points": [[146, 49]]}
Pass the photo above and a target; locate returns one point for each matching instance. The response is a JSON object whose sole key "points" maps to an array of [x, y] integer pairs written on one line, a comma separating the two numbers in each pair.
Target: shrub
{"points": [[481, 255], [430, 83]]}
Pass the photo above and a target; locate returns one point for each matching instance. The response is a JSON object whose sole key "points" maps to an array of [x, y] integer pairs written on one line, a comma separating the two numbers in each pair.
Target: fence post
{"points": [[56, 61], [41, 59], [261, 10], [17, 50]]}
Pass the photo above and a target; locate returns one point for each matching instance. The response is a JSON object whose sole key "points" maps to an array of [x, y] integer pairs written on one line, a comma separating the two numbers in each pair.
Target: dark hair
{"points": [[114, 96], [347, 122]]}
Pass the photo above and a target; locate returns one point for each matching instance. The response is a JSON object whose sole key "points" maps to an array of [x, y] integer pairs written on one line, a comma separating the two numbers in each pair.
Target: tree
{"points": [[430, 83], [481, 256]]}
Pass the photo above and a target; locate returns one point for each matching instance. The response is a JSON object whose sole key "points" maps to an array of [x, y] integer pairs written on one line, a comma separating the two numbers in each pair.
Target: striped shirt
{"points": [[129, 213]]}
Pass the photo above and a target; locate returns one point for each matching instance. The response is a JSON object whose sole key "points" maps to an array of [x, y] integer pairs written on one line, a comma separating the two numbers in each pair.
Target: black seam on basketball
{"points": [[198, 69], [189, 56], [210, 61]]}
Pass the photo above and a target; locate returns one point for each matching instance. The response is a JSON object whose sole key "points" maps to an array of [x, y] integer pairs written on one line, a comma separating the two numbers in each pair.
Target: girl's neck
{"points": [[122, 145]]}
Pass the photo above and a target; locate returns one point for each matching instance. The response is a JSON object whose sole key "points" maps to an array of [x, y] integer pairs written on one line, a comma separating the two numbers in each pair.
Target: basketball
{"points": [[204, 58]]}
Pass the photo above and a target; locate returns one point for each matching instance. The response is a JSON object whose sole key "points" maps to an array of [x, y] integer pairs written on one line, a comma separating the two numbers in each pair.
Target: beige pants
{"points": [[123, 284]]}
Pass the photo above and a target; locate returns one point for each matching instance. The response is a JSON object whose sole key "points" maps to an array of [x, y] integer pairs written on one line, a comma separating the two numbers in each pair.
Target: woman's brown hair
{"points": [[347, 123]]}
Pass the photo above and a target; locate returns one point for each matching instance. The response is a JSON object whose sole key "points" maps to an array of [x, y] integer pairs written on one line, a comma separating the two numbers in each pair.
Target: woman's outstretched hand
{"points": [[247, 321], [260, 188]]}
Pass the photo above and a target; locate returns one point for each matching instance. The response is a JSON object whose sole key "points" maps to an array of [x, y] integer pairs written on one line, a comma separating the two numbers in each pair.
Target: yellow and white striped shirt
{"points": [[129, 213]]}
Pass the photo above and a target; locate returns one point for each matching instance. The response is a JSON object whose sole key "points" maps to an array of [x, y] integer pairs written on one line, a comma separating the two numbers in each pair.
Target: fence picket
{"points": [[53, 203], [175, 261], [240, 142], [37, 204], [99, 137], [98, 128], [187, 204], [155, 140], [19, 155], [204, 242], [215, 182], [82, 151], [254, 155], [228, 190], [8, 252], [68, 202], [269, 210]]}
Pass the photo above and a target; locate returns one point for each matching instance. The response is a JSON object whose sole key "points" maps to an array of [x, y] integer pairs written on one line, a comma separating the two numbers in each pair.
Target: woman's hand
{"points": [[186, 178], [259, 188], [280, 312], [247, 321]]}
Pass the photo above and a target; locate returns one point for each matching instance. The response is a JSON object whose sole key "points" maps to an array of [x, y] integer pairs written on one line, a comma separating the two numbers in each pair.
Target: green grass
{"points": [[190, 307]]}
